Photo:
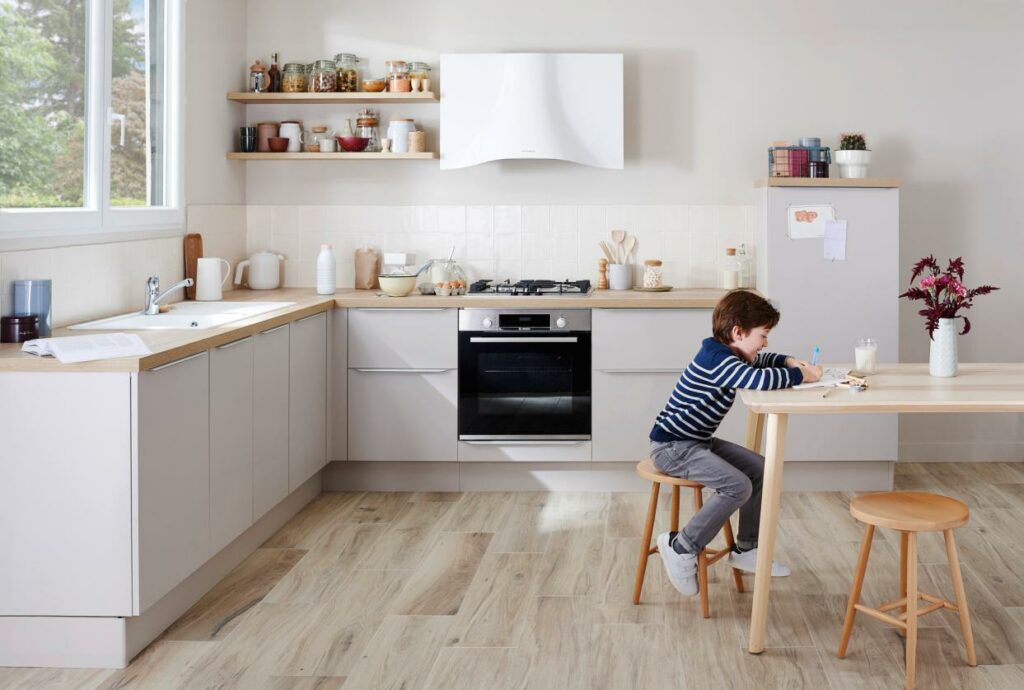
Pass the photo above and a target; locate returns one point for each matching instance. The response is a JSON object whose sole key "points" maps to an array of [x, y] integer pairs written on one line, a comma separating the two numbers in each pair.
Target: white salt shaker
{"points": [[326, 271]]}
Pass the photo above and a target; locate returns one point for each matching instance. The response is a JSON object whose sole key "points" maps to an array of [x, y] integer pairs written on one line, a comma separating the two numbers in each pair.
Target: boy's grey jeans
{"points": [[735, 474]]}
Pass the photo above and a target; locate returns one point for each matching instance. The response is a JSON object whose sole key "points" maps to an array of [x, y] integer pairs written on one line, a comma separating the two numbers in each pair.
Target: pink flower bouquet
{"points": [[943, 292]]}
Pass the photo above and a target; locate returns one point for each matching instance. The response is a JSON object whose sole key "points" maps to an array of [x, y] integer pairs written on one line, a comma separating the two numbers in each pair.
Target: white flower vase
{"points": [[852, 164], [942, 359]]}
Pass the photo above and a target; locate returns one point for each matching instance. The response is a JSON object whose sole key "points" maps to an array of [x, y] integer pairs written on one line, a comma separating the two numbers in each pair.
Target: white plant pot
{"points": [[942, 358], [852, 164]]}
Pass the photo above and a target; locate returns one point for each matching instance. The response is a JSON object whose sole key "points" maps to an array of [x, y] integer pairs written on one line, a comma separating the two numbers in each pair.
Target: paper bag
{"points": [[367, 268]]}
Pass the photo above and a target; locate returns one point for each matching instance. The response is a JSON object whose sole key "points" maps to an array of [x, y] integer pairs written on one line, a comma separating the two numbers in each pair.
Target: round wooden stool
{"points": [[909, 512], [647, 470]]}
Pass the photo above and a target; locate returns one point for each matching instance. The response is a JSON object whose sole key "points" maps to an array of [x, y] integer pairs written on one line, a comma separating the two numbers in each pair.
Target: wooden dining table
{"points": [[904, 388]]}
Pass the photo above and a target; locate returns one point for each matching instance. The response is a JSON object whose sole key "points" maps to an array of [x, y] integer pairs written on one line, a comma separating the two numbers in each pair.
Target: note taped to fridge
{"points": [[835, 240], [808, 222]]}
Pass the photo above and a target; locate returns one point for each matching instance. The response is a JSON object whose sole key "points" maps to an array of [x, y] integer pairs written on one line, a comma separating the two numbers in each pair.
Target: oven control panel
{"points": [[524, 320]]}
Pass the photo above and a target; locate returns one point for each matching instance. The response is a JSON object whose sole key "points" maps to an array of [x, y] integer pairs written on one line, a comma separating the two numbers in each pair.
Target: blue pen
{"points": [[814, 356]]}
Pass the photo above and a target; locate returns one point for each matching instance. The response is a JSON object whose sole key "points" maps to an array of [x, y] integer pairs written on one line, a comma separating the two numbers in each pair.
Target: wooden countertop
{"points": [[170, 345], [905, 388]]}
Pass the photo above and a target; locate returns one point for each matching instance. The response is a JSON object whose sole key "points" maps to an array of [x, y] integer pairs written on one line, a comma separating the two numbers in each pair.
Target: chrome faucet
{"points": [[153, 294]]}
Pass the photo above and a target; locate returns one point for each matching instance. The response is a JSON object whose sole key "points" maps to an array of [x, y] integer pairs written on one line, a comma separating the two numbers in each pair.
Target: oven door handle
{"points": [[526, 339], [523, 443]]}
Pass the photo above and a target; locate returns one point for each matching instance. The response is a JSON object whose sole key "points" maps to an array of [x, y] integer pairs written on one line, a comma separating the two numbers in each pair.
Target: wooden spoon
{"points": [[618, 236], [630, 243], [607, 251]]}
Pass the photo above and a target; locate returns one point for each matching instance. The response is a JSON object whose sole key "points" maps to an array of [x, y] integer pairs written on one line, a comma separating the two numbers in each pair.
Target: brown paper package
{"points": [[367, 268]]}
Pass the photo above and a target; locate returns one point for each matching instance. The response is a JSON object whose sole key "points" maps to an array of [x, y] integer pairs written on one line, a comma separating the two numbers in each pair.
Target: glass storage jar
{"points": [[293, 79], [398, 76], [366, 126], [322, 77], [347, 71], [652, 273], [419, 76]]}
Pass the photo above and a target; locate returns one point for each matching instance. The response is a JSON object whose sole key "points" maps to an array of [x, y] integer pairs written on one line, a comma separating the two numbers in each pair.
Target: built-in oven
{"points": [[524, 375]]}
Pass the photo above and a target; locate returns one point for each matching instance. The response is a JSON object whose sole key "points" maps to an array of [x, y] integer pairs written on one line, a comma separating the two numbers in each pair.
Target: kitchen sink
{"points": [[184, 315]]}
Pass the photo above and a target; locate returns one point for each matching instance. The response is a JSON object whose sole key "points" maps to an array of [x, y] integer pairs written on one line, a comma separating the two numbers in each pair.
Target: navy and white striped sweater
{"points": [[707, 389]]}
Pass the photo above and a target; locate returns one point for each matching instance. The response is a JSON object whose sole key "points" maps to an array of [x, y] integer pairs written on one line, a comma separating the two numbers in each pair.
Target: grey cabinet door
{"points": [[231, 444], [270, 419], [403, 415], [403, 338], [173, 475], [307, 399], [625, 405], [651, 339]]}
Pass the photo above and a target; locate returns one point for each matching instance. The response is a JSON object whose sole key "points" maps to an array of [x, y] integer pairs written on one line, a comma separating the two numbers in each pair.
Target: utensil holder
{"points": [[620, 276]]}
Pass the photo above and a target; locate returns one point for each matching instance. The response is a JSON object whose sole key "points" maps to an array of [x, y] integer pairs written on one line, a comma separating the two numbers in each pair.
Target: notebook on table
{"points": [[829, 377]]}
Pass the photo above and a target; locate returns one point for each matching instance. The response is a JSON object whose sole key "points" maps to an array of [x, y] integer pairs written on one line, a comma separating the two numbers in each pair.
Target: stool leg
{"points": [[961, 597], [702, 562], [674, 518], [904, 536], [858, 582], [645, 545], [911, 609], [737, 574]]}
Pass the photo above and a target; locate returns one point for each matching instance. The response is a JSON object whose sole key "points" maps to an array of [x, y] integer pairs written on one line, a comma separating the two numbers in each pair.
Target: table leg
{"points": [[755, 431], [770, 494]]}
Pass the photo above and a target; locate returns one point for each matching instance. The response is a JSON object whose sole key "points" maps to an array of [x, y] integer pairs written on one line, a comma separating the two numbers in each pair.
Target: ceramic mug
{"points": [[209, 280], [292, 131], [328, 145]]}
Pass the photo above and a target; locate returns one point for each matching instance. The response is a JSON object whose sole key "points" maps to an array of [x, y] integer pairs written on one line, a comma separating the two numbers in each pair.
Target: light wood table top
{"points": [[170, 345], [905, 388]]}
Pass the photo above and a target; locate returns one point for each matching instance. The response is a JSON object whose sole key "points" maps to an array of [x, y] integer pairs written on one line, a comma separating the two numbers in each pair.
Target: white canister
{"points": [[620, 276], [210, 280], [398, 133], [292, 131], [326, 271]]}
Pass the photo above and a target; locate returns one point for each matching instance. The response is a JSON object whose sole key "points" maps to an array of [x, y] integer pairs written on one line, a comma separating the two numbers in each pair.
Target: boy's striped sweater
{"points": [[707, 389]]}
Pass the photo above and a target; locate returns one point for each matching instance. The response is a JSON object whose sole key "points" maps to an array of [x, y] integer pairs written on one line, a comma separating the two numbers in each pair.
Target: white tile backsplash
{"points": [[530, 241]]}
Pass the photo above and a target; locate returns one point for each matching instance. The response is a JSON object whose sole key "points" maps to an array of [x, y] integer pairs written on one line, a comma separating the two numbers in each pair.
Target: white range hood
{"points": [[560, 106]]}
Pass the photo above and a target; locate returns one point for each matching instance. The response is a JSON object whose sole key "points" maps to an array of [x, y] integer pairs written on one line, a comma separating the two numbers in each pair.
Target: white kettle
{"points": [[264, 271]]}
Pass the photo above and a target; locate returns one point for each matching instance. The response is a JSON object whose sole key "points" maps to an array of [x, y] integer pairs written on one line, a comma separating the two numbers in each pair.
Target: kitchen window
{"points": [[91, 104]]}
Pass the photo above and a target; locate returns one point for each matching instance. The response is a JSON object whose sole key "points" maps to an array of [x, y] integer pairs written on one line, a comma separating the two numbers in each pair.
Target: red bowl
{"points": [[278, 144], [352, 144]]}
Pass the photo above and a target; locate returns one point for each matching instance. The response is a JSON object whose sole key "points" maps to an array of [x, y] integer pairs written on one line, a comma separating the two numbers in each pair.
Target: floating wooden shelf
{"points": [[336, 97], [341, 156], [827, 182]]}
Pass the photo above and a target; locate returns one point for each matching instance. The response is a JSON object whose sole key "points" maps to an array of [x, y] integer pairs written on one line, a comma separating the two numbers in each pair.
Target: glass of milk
{"points": [[864, 355]]}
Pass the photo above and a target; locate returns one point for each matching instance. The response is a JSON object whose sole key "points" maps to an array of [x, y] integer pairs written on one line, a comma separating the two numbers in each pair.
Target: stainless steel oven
{"points": [[524, 375]]}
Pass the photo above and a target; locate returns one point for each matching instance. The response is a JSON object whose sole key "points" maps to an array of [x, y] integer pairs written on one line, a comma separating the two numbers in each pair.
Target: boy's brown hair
{"points": [[744, 309]]}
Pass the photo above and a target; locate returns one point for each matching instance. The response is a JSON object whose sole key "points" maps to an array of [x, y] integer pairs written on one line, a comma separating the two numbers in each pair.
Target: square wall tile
{"points": [[480, 219], [508, 219]]}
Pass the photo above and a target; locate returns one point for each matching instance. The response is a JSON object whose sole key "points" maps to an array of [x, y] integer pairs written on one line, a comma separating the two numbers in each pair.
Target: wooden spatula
{"points": [[193, 252]]}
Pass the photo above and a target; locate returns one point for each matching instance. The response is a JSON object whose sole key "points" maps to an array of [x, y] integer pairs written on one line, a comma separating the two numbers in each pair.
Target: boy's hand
{"points": [[811, 373]]}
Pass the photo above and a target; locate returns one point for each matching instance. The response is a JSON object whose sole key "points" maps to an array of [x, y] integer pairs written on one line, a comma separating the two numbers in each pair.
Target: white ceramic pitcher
{"points": [[210, 280]]}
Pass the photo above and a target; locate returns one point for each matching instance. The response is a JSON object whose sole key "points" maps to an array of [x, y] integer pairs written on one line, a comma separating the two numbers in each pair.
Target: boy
{"points": [[682, 441]]}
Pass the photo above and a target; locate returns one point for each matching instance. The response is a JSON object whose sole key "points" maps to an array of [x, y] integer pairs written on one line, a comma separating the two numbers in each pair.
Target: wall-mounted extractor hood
{"points": [[561, 106]]}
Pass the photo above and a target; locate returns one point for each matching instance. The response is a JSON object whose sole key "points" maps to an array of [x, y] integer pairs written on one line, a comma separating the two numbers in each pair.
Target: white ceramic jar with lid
{"points": [[398, 133], [264, 271]]}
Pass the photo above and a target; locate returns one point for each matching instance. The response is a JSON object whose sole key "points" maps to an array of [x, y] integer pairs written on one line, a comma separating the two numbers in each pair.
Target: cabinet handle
{"points": [[233, 343], [178, 361], [524, 340], [311, 316], [273, 330], [400, 309], [523, 443], [642, 371], [403, 371]]}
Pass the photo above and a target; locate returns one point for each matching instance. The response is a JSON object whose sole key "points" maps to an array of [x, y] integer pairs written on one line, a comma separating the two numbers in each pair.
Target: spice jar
{"points": [[366, 126], [347, 71], [322, 77], [293, 79], [652, 273], [258, 77], [398, 76], [419, 76]]}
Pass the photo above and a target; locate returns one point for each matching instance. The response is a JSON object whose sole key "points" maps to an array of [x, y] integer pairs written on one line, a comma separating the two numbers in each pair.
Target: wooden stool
{"points": [[909, 512], [648, 471]]}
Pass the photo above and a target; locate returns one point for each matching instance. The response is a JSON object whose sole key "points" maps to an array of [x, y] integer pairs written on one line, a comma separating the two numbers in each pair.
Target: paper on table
{"points": [[829, 377], [808, 222], [835, 240], [86, 348]]}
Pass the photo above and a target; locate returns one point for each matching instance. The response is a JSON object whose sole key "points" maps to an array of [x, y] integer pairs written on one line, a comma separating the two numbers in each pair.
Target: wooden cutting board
{"points": [[193, 252]]}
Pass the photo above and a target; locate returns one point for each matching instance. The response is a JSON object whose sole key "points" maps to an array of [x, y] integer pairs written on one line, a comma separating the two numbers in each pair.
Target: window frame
{"points": [[96, 216]]}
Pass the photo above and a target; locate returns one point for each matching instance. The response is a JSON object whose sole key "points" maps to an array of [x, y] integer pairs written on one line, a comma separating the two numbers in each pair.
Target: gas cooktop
{"points": [[531, 288]]}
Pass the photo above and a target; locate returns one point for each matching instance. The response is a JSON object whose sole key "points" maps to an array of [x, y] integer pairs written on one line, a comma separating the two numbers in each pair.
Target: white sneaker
{"points": [[681, 567], [747, 561]]}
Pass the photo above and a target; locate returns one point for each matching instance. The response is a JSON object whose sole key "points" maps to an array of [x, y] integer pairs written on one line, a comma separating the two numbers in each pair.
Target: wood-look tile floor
{"points": [[532, 590]]}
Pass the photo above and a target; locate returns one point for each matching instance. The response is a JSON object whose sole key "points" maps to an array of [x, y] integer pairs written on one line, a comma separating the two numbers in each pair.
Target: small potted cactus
{"points": [[853, 155]]}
